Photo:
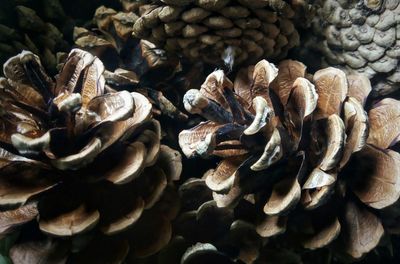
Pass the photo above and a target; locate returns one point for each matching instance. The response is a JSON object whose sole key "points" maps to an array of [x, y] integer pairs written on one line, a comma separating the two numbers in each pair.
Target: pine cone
{"points": [[138, 65], [112, 42], [219, 31], [38, 26], [360, 36], [133, 63], [86, 164], [302, 150]]}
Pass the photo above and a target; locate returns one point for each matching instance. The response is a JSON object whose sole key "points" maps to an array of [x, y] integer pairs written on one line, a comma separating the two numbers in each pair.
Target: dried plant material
{"points": [[13, 218], [201, 253], [262, 115], [203, 220], [382, 188], [213, 87], [335, 136], [242, 81], [263, 75], [220, 32], [29, 180], [311, 150], [127, 221], [272, 153], [342, 35], [383, 118], [198, 140], [356, 121], [362, 230], [324, 237], [127, 170], [286, 192], [300, 105], [243, 234], [41, 27], [71, 223], [331, 86], [83, 160], [316, 232], [271, 226], [136, 64], [196, 103], [314, 197], [170, 161], [223, 176], [288, 72], [359, 87], [45, 251]]}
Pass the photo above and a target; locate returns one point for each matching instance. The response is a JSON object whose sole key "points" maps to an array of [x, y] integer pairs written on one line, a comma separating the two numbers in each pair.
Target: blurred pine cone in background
{"points": [[302, 153], [37, 26], [43, 27], [358, 36], [220, 32], [83, 175]]}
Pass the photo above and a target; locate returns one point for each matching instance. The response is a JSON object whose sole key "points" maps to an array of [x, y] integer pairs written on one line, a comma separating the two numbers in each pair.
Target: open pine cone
{"points": [[302, 150], [219, 31], [360, 36], [86, 164]]}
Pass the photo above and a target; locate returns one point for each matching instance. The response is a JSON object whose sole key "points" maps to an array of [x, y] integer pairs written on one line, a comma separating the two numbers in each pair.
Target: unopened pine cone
{"points": [[219, 31], [360, 36], [81, 167], [301, 150], [37, 26]]}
